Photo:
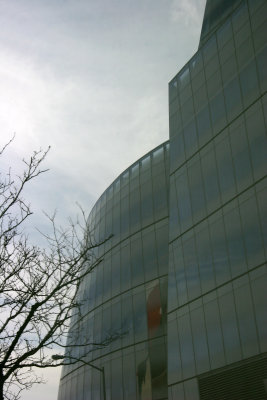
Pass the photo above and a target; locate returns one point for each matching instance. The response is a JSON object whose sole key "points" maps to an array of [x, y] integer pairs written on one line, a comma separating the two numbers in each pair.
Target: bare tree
{"points": [[38, 287]]}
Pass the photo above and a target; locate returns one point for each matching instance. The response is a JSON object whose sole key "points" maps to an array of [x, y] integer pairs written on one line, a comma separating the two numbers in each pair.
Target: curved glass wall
{"points": [[124, 298]]}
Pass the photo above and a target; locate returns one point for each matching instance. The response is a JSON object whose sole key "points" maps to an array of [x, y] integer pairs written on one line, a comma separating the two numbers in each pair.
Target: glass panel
{"points": [[177, 152], [245, 314], [106, 323], [135, 170], [143, 375], [137, 261], [108, 220], [200, 98], [249, 83], [99, 284], [235, 242], [252, 233], [244, 52], [196, 64], [186, 346], [146, 203], [72, 388], [198, 81], [259, 37], [229, 70], [145, 163], [116, 379], [116, 222], [172, 291], [180, 272], [158, 155], [219, 251], [256, 131], [174, 220], [200, 340], [125, 268], [154, 310], [212, 66], [259, 299], [149, 254], [218, 112], [227, 51], [160, 196], [229, 327], [185, 94], [129, 374], [108, 378], [196, 188], [107, 280], [233, 99], [127, 320], [240, 16], [124, 211], [205, 259], [158, 368], [262, 70], [225, 167], [214, 84], [204, 126], [80, 385], [184, 203], [191, 390], [191, 267], [97, 330], [134, 210], [125, 178], [116, 324], [240, 151], [187, 110], [243, 34], [184, 78], [178, 392], [162, 239], [172, 89], [209, 172], [210, 49], [190, 139], [261, 198], [140, 317], [254, 5], [214, 333], [115, 276]]}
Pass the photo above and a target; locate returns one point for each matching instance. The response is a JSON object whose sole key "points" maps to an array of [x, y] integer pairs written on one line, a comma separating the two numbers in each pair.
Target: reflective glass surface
{"points": [[218, 235], [124, 299]]}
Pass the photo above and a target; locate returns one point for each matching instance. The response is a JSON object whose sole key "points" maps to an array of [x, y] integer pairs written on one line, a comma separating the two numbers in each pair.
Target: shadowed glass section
{"points": [[218, 212]]}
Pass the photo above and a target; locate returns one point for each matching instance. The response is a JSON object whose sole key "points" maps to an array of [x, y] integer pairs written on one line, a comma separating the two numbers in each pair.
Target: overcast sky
{"points": [[90, 78]]}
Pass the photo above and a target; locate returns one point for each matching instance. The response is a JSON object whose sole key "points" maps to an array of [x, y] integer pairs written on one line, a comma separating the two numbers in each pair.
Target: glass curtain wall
{"points": [[217, 271], [125, 297]]}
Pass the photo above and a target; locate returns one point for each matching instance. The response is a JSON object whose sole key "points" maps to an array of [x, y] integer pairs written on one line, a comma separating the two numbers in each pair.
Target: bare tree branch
{"points": [[39, 288]]}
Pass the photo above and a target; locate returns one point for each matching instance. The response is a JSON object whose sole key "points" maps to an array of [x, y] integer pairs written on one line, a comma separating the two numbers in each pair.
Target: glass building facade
{"points": [[125, 297], [182, 282], [217, 326]]}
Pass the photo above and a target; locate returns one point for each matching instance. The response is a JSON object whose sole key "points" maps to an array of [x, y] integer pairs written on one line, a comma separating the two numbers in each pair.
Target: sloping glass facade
{"points": [[217, 271], [182, 282]]}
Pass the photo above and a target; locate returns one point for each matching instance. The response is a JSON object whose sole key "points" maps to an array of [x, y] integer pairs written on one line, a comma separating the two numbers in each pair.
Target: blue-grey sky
{"points": [[90, 78]]}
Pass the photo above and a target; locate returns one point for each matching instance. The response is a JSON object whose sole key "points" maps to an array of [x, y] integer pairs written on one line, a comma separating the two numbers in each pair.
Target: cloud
{"points": [[188, 12]]}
